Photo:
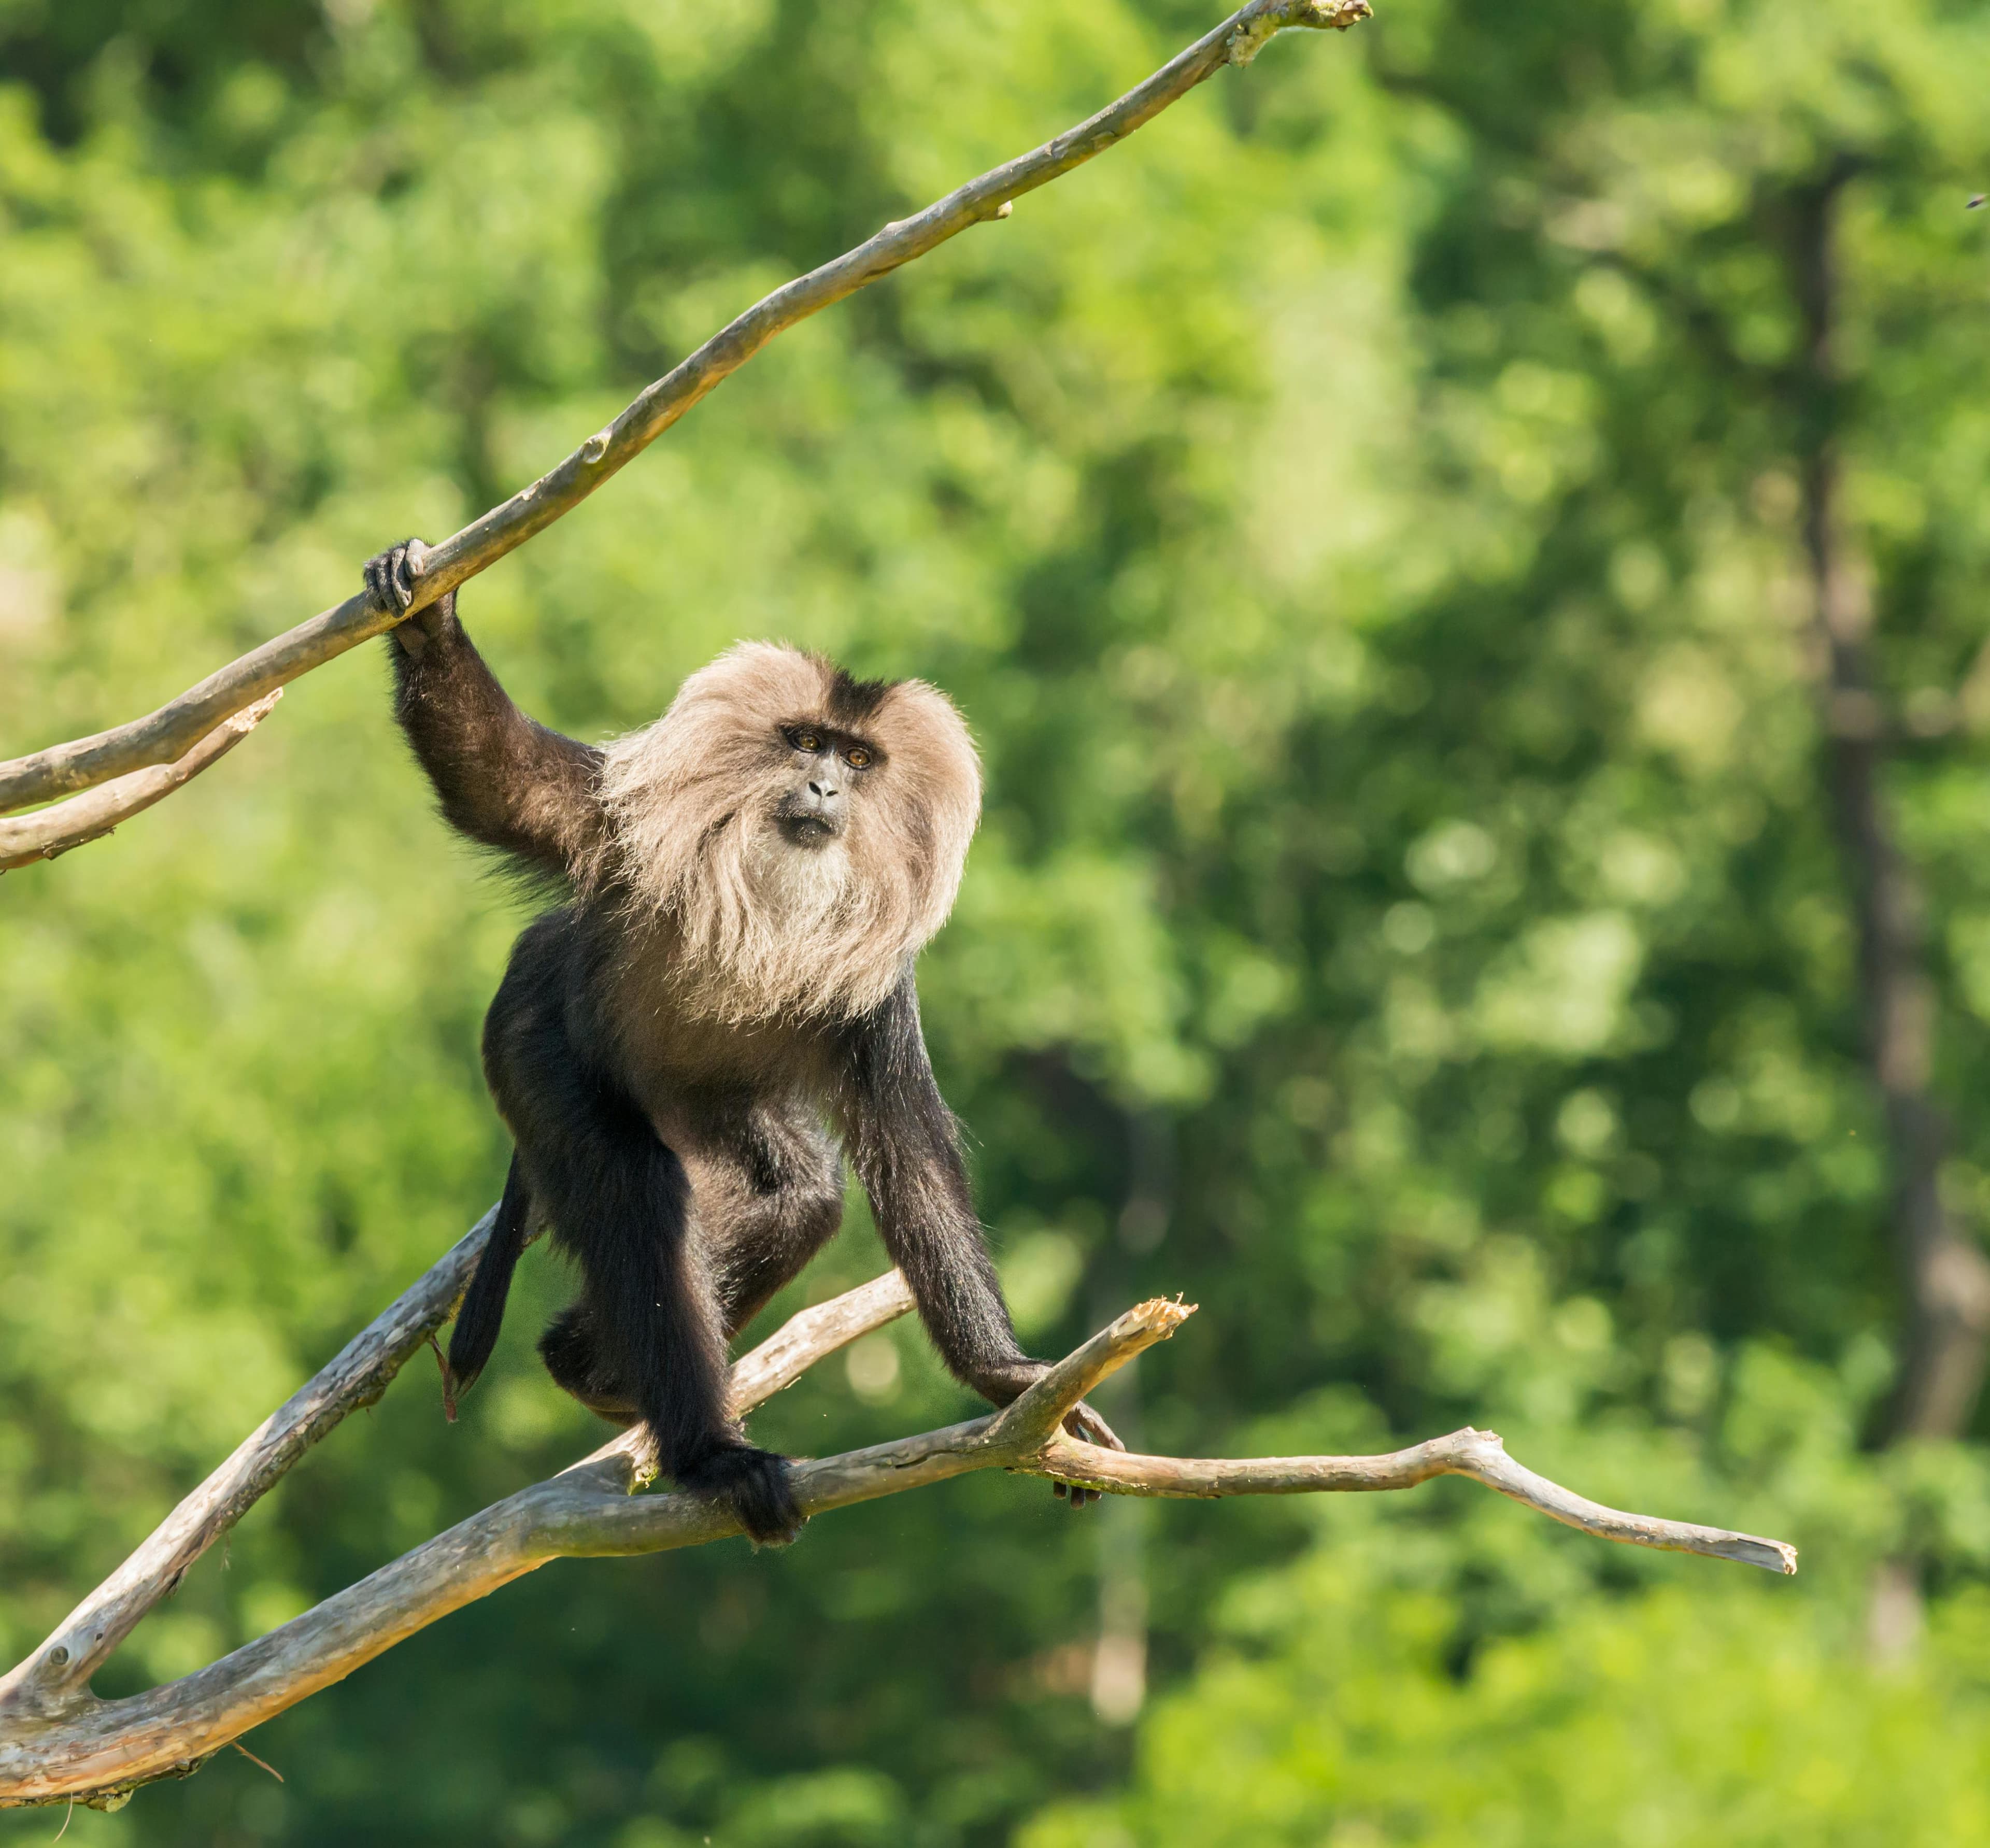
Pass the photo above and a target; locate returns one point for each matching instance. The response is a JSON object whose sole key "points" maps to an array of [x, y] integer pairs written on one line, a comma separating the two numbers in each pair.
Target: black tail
{"points": [[483, 1311]]}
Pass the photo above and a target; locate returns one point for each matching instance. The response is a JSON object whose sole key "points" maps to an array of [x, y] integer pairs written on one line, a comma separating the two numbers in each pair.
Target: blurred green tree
{"points": [[1363, 522]]}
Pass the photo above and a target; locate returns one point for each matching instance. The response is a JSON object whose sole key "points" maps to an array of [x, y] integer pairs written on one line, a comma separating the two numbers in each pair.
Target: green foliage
{"points": [[1691, 1713], [1431, 1671], [1358, 518]]}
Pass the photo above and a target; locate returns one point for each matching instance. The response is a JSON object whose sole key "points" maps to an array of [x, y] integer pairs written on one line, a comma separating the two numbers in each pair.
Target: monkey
{"points": [[720, 1010]]}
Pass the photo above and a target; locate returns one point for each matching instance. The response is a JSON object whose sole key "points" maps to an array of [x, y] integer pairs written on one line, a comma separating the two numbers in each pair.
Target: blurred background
{"points": [[1465, 547]]}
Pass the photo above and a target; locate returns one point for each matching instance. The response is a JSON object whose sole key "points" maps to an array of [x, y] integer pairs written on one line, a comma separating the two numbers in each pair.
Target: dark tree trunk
{"points": [[1944, 1276]]}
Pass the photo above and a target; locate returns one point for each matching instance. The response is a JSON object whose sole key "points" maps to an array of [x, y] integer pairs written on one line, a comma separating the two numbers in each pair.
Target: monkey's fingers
{"points": [[1089, 1427], [380, 586], [390, 575], [1086, 1425]]}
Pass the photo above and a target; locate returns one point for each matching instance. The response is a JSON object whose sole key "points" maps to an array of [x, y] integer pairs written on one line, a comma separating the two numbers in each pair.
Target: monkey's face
{"points": [[805, 830], [825, 769]]}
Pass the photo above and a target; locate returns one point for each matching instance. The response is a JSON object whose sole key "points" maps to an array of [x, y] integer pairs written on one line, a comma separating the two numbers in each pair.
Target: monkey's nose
{"points": [[823, 791]]}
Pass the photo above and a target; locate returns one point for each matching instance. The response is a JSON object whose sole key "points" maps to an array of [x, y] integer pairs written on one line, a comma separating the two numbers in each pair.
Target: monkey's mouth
{"points": [[807, 828]]}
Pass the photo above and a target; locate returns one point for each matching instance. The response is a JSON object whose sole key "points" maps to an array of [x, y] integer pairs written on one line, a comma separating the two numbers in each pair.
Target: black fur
{"points": [[905, 1147], [685, 1167], [482, 1313], [852, 701]]}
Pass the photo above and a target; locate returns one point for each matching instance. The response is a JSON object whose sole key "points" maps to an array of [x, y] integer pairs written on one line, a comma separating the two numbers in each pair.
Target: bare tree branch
{"points": [[97, 1751], [52, 832], [1032, 1420], [1477, 1454], [772, 1367], [57, 1675], [168, 733], [802, 1340]]}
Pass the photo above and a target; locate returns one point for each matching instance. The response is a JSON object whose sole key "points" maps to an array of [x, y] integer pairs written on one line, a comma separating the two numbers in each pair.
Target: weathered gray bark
{"points": [[50, 833], [60, 1742]]}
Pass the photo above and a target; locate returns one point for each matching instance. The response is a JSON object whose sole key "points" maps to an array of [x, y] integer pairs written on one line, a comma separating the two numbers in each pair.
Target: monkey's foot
{"points": [[1089, 1427], [757, 1485]]}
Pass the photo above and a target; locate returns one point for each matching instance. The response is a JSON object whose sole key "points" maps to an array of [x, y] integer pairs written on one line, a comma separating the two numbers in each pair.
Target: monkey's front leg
{"points": [[902, 1139]]}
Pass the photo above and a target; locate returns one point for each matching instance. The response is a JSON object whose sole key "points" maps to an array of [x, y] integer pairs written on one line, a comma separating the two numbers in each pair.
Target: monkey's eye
{"points": [[811, 742], [857, 757]]}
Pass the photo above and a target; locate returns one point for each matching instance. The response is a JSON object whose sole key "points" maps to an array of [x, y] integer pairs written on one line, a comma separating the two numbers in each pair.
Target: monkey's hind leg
{"points": [[619, 1201]]}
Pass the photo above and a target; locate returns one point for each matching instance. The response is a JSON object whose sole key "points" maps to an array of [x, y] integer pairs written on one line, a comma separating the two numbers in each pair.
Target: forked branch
{"points": [[58, 1742], [51, 832], [168, 734]]}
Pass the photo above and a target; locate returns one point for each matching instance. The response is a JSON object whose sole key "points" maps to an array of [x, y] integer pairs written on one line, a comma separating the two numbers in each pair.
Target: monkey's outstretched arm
{"points": [[905, 1147], [503, 779]]}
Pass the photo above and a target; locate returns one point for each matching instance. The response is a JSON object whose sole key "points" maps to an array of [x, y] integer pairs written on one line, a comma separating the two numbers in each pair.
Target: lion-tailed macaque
{"points": [[747, 883]]}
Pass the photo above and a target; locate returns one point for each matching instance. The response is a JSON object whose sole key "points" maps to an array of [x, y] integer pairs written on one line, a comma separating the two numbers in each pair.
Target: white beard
{"points": [[780, 928], [800, 891]]}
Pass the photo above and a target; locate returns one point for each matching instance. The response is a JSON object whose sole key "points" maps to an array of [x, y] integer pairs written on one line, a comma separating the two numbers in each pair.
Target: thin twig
{"points": [[167, 733], [448, 1378], [253, 1759], [808, 1334], [99, 1750]]}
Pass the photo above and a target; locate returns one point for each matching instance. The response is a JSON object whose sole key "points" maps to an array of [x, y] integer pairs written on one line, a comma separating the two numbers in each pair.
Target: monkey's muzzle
{"points": [[807, 819]]}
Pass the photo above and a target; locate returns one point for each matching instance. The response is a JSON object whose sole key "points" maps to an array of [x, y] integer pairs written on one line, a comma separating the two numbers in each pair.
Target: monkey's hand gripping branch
{"points": [[58, 1742]]}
